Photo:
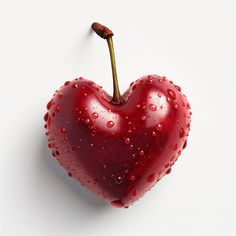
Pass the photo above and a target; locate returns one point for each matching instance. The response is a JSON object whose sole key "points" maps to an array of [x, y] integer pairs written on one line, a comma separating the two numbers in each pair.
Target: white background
{"points": [[44, 43]]}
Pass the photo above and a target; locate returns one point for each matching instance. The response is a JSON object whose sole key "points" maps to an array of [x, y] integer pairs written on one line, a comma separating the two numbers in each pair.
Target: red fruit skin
{"points": [[118, 151]]}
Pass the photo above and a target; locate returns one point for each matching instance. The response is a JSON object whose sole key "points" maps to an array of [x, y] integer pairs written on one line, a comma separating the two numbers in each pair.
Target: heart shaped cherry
{"points": [[119, 146]]}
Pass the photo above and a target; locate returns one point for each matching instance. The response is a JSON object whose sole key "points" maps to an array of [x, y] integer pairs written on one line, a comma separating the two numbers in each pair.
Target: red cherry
{"points": [[119, 146]]}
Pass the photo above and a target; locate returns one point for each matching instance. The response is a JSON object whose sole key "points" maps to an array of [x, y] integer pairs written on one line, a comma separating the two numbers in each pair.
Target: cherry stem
{"points": [[107, 34]]}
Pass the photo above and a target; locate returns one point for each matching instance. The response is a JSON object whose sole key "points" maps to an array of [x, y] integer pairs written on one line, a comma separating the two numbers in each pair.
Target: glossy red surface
{"points": [[118, 151]]}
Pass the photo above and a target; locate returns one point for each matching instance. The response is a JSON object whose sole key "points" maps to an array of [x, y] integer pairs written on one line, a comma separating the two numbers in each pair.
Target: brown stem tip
{"points": [[102, 30]]}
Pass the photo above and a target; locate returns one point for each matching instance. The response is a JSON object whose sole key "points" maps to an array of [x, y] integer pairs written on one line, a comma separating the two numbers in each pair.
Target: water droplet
{"points": [[118, 179], [143, 118], [154, 133], [168, 171], [129, 131], [49, 104], [176, 106], [57, 108], [75, 86], [152, 107], [49, 145], [65, 138], [171, 93], [168, 99], [159, 95], [85, 94], [94, 115], [62, 130], [150, 79], [159, 127], [45, 117], [127, 140], [181, 133], [67, 83], [57, 153], [178, 88], [91, 144], [141, 153], [132, 178], [144, 107], [134, 155], [117, 203], [87, 121], [138, 106], [151, 178], [185, 144], [110, 124]]}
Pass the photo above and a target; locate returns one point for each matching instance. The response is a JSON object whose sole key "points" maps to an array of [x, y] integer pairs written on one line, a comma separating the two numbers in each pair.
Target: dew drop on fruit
{"points": [[75, 86], [134, 155], [57, 153], [168, 99], [134, 87], [143, 118], [159, 127], [62, 130], [150, 79], [94, 115], [127, 140], [154, 133], [117, 203], [181, 133], [178, 88], [57, 108], [132, 178], [141, 153], [67, 83], [138, 105], [110, 124], [85, 94], [49, 104], [45, 117], [152, 107], [119, 180], [185, 144], [151, 178], [176, 106], [171, 93], [168, 171], [87, 121]]}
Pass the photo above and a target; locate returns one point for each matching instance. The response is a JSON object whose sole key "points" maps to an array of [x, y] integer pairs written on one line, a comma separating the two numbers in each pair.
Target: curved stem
{"points": [[107, 34], [117, 99]]}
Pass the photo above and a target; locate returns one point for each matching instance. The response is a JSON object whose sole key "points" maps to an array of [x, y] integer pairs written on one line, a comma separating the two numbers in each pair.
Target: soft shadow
{"points": [[84, 196]]}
